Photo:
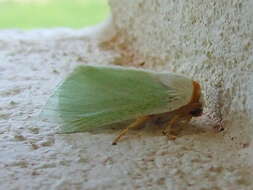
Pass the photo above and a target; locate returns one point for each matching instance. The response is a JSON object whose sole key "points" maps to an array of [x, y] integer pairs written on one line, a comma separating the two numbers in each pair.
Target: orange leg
{"points": [[167, 130], [173, 121], [135, 124], [188, 119]]}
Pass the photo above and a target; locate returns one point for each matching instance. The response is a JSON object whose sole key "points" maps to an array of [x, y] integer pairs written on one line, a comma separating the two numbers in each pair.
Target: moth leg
{"points": [[135, 124], [188, 119], [167, 130]]}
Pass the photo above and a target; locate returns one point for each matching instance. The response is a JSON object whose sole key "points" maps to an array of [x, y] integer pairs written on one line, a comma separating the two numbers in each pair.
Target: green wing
{"points": [[95, 96]]}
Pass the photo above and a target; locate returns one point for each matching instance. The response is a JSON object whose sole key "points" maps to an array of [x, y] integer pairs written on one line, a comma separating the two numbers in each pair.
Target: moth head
{"points": [[197, 101], [197, 111]]}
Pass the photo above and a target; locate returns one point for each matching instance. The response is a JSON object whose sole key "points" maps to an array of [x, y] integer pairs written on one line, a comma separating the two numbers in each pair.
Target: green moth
{"points": [[96, 96]]}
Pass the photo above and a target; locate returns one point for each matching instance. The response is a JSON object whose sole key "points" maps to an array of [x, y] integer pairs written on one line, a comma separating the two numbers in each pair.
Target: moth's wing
{"points": [[92, 96]]}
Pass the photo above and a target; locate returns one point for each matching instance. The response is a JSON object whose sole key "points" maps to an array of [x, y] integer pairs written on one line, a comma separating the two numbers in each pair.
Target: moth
{"points": [[95, 96]]}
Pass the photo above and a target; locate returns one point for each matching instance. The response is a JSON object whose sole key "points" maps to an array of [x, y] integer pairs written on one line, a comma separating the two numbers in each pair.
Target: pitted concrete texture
{"points": [[32, 156], [209, 41]]}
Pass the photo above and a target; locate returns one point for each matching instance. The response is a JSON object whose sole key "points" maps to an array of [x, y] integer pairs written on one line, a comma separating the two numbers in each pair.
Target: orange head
{"points": [[196, 101]]}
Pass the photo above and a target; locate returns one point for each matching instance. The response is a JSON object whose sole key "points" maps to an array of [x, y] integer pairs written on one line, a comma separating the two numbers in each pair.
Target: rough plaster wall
{"points": [[210, 40], [32, 156]]}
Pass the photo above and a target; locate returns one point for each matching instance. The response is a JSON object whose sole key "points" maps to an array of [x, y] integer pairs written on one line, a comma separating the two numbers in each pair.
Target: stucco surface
{"points": [[210, 40], [152, 34], [32, 156]]}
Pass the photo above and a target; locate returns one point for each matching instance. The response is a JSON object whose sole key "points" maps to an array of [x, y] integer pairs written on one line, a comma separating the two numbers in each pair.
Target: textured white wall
{"points": [[210, 40]]}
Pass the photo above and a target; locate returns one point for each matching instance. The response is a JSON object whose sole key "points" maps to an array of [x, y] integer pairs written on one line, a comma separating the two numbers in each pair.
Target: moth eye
{"points": [[196, 112]]}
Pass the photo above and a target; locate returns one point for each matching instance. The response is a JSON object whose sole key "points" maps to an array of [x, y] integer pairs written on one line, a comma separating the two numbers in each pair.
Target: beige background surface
{"points": [[161, 35]]}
